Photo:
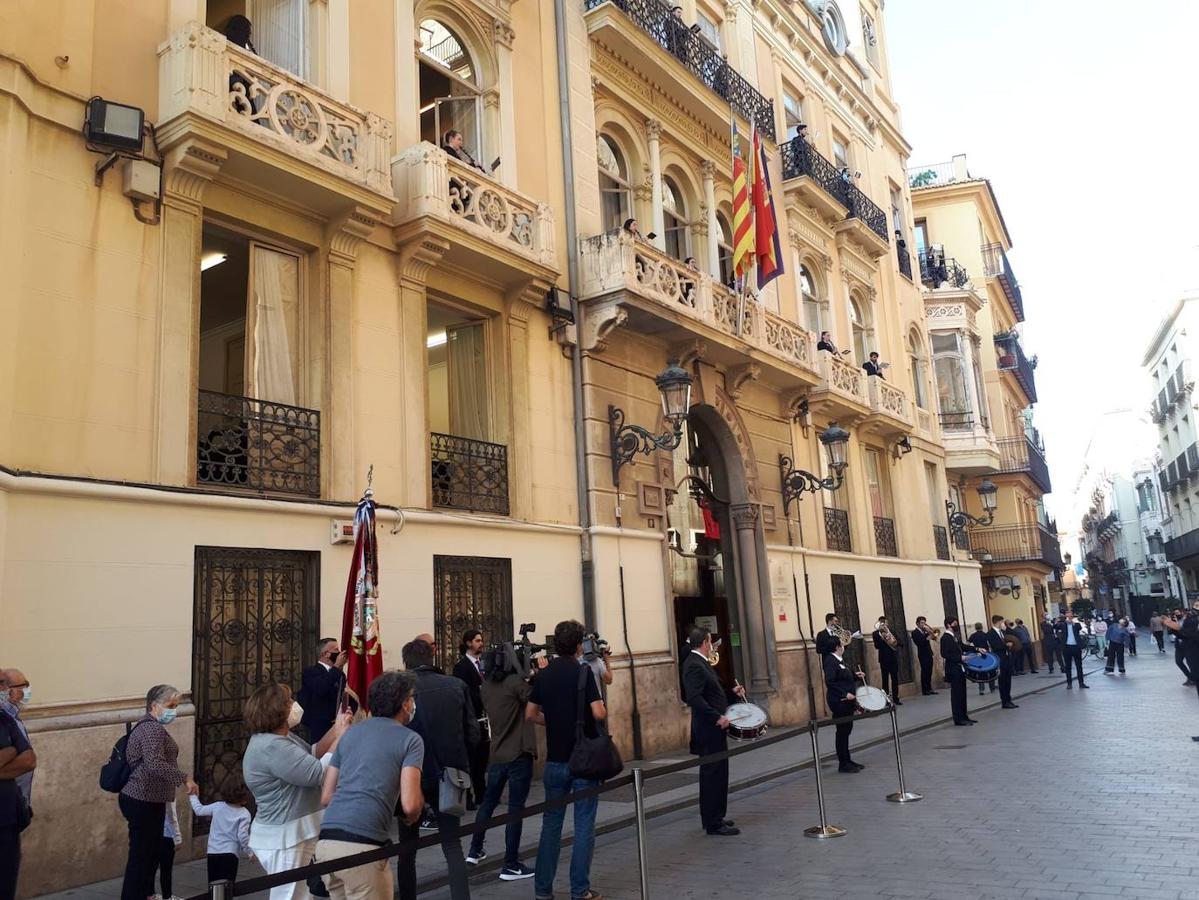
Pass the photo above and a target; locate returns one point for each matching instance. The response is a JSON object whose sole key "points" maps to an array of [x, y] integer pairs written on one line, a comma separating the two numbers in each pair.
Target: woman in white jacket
{"points": [[284, 773]]}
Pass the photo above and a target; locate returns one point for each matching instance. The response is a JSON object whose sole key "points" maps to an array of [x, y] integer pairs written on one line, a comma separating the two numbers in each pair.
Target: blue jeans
{"points": [[558, 783], [518, 775]]}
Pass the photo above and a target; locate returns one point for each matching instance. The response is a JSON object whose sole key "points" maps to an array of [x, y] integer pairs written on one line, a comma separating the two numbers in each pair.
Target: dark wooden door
{"points": [[470, 592], [897, 619], [845, 605], [949, 601], [255, 620]]}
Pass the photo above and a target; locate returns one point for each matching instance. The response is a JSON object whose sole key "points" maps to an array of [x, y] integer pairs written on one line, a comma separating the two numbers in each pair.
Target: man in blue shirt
{"points": [[1117, 639]]}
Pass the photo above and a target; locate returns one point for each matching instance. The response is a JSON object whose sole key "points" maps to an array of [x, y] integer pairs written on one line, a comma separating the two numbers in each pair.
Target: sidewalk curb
{"points": [[492, 866]]}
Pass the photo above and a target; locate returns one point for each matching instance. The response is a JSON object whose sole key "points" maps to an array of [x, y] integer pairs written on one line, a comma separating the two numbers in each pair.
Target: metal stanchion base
{"points": [[823, 831], [904, 797]]}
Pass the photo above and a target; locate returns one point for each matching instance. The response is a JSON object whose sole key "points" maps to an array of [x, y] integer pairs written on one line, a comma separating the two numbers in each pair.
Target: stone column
{"points": [[753, 624], [407, 76], [505, 147], [523, 306], [968, 352], [653, 131], [709, 173], [189, 169]]}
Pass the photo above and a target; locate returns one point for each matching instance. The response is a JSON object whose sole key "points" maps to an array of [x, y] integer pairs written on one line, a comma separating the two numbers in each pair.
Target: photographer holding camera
{"points": [[595, 655], [508, 671]]}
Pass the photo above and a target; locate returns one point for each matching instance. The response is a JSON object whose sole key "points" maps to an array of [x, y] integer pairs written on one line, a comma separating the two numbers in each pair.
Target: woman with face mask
{"points": [[284, 773], [153, 758]]}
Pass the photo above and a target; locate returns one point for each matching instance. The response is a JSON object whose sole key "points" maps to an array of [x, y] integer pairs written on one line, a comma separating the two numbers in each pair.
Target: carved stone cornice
{"points": [[418, 257], [346, 233], [738, 376], [599, 321], [188, 170]]}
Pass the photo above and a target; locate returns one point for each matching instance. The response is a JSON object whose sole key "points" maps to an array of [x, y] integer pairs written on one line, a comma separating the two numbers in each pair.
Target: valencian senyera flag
{"points": [[360, 616], [768, 247], [743, 219]]}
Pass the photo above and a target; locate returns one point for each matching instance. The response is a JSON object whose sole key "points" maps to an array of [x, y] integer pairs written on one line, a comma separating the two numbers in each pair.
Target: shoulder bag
{"points": [[593, 758]]}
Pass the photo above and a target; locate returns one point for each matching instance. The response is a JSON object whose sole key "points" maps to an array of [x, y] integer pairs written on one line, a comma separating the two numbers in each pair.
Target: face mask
{"points": [[294, 715], [26, 694], [167, 716]]}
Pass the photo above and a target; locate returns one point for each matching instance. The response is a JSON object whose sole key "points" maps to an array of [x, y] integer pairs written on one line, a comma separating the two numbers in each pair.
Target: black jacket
{"points": [[872, 369], [951, 651], [838, 681], [1059, 632], [998, 646], [924, 647], [888, 656], [825, 642], [979, 639], [465, 670], [319, 690], [1048, 634], [708, 701], [445, 720]]}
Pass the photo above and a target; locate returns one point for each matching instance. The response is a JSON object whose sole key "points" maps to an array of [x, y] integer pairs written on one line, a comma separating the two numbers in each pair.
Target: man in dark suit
{"points": [[320, 689], [924, 652], [839, 686], [1051, 650], [1071, 640], [952, 650], [873, 366], [826, 640], [888, 660], [447, 724], [469, 669], [998, 646], [452, 143], [708, 701]]}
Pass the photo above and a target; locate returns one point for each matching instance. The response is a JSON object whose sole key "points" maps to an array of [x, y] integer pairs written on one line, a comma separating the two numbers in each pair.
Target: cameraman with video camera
{"points": [[508, 672], [595, 655]]}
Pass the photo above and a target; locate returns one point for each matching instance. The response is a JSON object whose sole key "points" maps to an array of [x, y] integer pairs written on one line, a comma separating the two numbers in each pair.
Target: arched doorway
{"points": [[719, 571]]}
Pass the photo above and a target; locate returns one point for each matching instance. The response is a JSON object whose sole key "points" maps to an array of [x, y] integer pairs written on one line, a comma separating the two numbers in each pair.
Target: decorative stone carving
{"points": [[189, 169], [737, 377], [653, 129], [347, 232], [599, 321], [503, 33], [418, 257], [688, 353], [745, 515]]}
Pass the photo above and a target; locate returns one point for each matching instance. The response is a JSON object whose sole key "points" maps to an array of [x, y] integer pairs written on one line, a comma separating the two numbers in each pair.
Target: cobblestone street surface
{"points": [[1076, 794]]}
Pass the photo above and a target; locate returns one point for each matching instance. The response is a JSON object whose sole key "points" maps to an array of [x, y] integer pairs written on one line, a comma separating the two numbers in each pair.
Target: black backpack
{"points": [[115, 773]]}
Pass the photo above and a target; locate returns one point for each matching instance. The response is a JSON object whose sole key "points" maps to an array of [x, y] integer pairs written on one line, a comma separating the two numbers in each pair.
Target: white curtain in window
{"points": [[274, 307], [280, 33], [467, 362]]}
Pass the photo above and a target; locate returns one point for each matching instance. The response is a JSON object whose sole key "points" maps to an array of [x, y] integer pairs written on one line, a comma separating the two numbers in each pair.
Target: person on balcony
{"points": [[238, 30], [826, 343], [631, 228], [873, 366], [452, 143]]}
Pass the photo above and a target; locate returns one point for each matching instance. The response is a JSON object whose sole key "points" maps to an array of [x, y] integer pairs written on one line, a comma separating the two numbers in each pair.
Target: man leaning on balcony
{"points": [[452, 143], [873, 366]]}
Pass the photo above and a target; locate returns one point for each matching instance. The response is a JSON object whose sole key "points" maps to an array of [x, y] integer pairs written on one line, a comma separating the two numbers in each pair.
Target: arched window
{"points": [[918, 368], [674, 213], [863, 329], [616, 195], [811, 302], [725, 249], [450, 99]]}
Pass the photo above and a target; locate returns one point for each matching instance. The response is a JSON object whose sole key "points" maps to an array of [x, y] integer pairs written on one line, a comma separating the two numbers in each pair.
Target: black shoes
{"points": [[851, 767], [965, 722], [1081, 685], [897, 702], [725, 831], [928, 693], [1011, 706]]}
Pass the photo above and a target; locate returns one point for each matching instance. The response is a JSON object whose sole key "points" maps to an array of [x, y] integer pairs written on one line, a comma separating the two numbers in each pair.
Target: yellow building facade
{"points": [[986, 386], [197, 384]]}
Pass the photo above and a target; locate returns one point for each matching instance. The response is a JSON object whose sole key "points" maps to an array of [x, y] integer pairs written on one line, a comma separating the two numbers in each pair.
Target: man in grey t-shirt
{"points": [[376, 763]]}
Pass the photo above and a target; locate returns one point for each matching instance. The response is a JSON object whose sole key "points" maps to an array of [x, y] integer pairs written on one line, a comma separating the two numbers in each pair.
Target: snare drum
{"points": [[746, 721], [872, 699], [981, 668]]}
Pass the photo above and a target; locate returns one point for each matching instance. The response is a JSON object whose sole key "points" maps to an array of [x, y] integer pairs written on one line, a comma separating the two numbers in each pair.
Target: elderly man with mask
{"points": [[15, 694]]}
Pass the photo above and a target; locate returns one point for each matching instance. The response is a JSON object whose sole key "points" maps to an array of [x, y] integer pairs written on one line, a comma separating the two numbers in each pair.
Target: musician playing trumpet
{"points": [[840, 685], [922, 637], [887, 646]]}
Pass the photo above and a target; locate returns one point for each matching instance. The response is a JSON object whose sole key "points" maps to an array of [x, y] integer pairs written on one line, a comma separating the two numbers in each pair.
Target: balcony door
{"points": [[450, 97]]}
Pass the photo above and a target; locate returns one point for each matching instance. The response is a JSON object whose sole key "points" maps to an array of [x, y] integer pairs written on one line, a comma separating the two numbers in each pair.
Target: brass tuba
{"points": [[887, 635]]}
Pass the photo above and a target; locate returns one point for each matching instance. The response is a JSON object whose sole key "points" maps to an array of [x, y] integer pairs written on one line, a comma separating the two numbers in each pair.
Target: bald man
{"points": [[15, 693], [432, 642]]}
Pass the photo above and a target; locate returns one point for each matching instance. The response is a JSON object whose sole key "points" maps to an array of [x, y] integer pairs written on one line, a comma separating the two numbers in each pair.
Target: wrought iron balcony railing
{"points": [[800, 158], [657, 19], [938, 271], [1012, 359], [996, 265], [1184, 546], [836, 530], [469, 474], [958, 421], [904, 259], [1017, 543], [941, 541], [862, 207], [1019, 454], [884, 536], [257, 445]]}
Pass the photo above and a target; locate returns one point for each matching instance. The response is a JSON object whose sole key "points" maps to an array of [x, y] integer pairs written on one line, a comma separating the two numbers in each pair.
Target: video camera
{"points": [[595, 647], [506, 657]]}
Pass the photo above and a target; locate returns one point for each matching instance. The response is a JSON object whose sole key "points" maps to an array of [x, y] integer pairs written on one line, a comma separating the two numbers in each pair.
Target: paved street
{"points": [[1017, 806]]}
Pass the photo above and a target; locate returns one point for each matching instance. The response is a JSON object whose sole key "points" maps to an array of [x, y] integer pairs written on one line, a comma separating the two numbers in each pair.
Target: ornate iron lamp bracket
{"points": [[797, 482], [959, 519], [629, 440]]}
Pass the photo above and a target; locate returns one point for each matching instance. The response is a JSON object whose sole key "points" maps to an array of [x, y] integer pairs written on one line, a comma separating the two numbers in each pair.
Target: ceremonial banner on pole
{"points": [[768, 247], [360, 616], [743, 224]]}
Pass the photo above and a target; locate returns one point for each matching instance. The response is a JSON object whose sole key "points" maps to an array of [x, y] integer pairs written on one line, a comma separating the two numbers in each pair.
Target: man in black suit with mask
{"points": [[922, 638], [995, 640], [1071, 640], [708, 701], [840, 685], [320, 688], [951, 651]]}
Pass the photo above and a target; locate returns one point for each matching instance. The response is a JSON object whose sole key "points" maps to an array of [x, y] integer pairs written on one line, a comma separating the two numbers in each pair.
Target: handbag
{"points": [[451, 795], [593, 758]]}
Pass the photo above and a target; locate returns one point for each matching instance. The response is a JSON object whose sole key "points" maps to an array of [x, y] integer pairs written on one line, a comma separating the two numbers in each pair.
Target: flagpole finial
{"points": [[370, 477]]}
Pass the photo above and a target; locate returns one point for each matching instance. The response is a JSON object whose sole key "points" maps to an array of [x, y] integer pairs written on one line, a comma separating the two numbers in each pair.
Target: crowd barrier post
{"points": [[903, 795], [220, 890], [824, 829], [642, 852]]}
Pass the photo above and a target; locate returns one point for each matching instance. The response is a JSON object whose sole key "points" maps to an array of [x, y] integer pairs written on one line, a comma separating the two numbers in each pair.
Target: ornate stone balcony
{"points": [[890, 408], [842, 392], [626, 281], [491, 228], [268, 127]]}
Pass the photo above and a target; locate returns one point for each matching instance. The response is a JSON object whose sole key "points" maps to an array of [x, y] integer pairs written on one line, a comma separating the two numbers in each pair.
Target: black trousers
{"points": [[1180, 658], [166, 866], [891, 679], [1005, 679], [1132, 643], [1193, 662], [479, 759], [1073, 657], [451, 849], [1160, 637], [926, 673], [843, 731], [1030, 657], [145, 831], [10, 861], [1115, 656], [1053, 653], [713, 793], [957, 695], [222, 867]]}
